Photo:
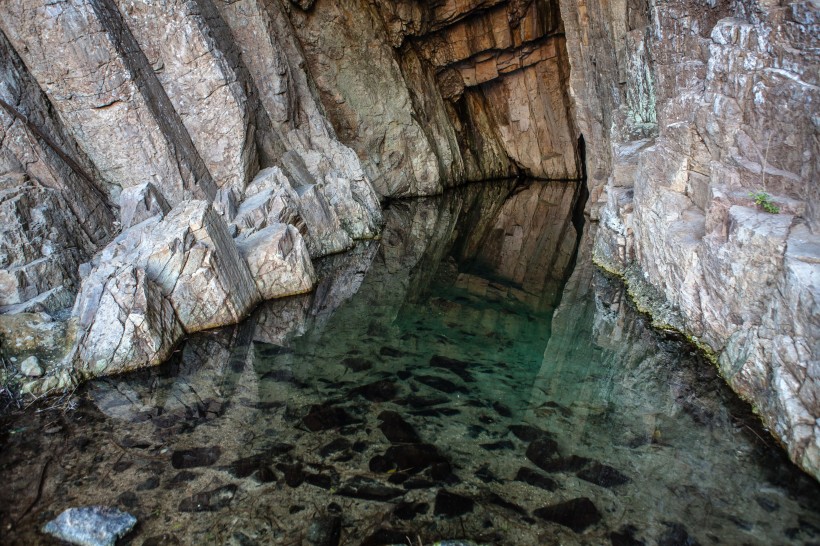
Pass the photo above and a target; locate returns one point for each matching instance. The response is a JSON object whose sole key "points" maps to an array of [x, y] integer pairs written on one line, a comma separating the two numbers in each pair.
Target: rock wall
{"points": [[687, 108], [434, 94]]}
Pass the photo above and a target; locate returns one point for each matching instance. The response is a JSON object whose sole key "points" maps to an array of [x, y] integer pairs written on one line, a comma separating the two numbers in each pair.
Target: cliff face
{"points": [[688, 108]]}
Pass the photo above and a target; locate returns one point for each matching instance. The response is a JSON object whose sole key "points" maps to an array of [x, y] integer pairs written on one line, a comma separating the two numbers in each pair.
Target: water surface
{"points": [[469, 376]]}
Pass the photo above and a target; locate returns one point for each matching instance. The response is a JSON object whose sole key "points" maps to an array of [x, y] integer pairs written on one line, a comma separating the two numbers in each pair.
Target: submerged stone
{"points": [[409, 510], [441, 384], [396, 429], [452, 504], [378, 391], [294, 474], [497, 446], [436, 412], [91, 525], [542, 452], [365, 488], [676, 535], [198, 456], [326, 418], [577, 514], [498, 500], [625, 537], [384, 537], [502, 410], [325, 531], [413, 457], [391, 352], [458, 367], [603, 475], [31, 367], [486, 475], [209, 501], [535, 479], [420, 402], [357, 364], [337, 445], [528, 433]]}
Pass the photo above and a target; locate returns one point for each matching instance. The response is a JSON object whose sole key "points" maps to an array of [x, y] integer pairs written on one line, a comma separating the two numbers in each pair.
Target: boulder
{"points": [[134, 325], [278, 261]]}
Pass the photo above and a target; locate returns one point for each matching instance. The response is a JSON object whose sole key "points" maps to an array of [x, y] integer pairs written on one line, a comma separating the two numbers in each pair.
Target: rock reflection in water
{"points": [[427, 389]]}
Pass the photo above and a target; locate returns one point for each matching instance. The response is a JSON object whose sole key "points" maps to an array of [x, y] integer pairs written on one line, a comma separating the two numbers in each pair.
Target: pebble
{"points": [[31, 367], [91, 525]]}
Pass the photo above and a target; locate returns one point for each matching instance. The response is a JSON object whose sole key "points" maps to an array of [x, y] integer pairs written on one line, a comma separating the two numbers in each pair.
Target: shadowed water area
{"points": [[469, 376]]}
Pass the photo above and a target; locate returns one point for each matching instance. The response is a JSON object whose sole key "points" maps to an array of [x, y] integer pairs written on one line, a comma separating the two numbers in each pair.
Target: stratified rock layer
{"points": [[688, 109]]}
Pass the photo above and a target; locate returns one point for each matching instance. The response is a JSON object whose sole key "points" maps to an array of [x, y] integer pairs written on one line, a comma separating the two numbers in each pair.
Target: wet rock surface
{"points": [[250, 434]]}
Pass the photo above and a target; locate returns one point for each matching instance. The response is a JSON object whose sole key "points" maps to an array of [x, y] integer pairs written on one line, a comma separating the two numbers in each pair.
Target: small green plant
{"points": [[764, 201]]}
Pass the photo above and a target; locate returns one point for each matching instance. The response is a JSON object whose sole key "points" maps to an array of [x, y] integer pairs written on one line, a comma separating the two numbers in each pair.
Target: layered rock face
{"points": [[143, 118], [433, 94], [688, 108]]}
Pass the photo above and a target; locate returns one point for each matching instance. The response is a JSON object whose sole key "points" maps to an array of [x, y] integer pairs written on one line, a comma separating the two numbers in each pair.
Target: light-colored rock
{"points": [[134, 325], [91, 525], [278, 261], [189, 54], [105, 92], [179, 274], [31, 367], [272, 199], [138, 203]]}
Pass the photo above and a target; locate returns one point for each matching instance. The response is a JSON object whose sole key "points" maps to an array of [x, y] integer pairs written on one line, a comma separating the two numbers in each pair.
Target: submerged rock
{"points": [[603, 475], [441, 384], [91, 525], [378, 391], [528, 433], [452, 504], [326, 418], [543, 452], [325, 531], [535, 479], [198, 456], [365, 488], [577, 514], [396, 429], [209, 501]]}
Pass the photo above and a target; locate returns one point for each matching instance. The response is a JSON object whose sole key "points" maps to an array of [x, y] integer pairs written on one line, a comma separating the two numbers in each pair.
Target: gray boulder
{"points": [[91, 525]]}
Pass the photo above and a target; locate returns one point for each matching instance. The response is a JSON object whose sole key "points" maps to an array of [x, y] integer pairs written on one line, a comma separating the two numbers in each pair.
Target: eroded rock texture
{"points": [[688, 107], [433, 94]]}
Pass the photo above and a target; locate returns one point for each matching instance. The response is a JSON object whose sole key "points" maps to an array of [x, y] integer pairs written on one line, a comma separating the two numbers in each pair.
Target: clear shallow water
{"points": [[446, 382]]}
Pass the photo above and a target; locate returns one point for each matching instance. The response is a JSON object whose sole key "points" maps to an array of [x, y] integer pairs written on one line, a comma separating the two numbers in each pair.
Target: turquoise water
{"points": [[471, 376]]}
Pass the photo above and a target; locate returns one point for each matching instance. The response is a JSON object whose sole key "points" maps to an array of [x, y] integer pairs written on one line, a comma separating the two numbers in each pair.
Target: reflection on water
{"points": [[446, 382]]}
